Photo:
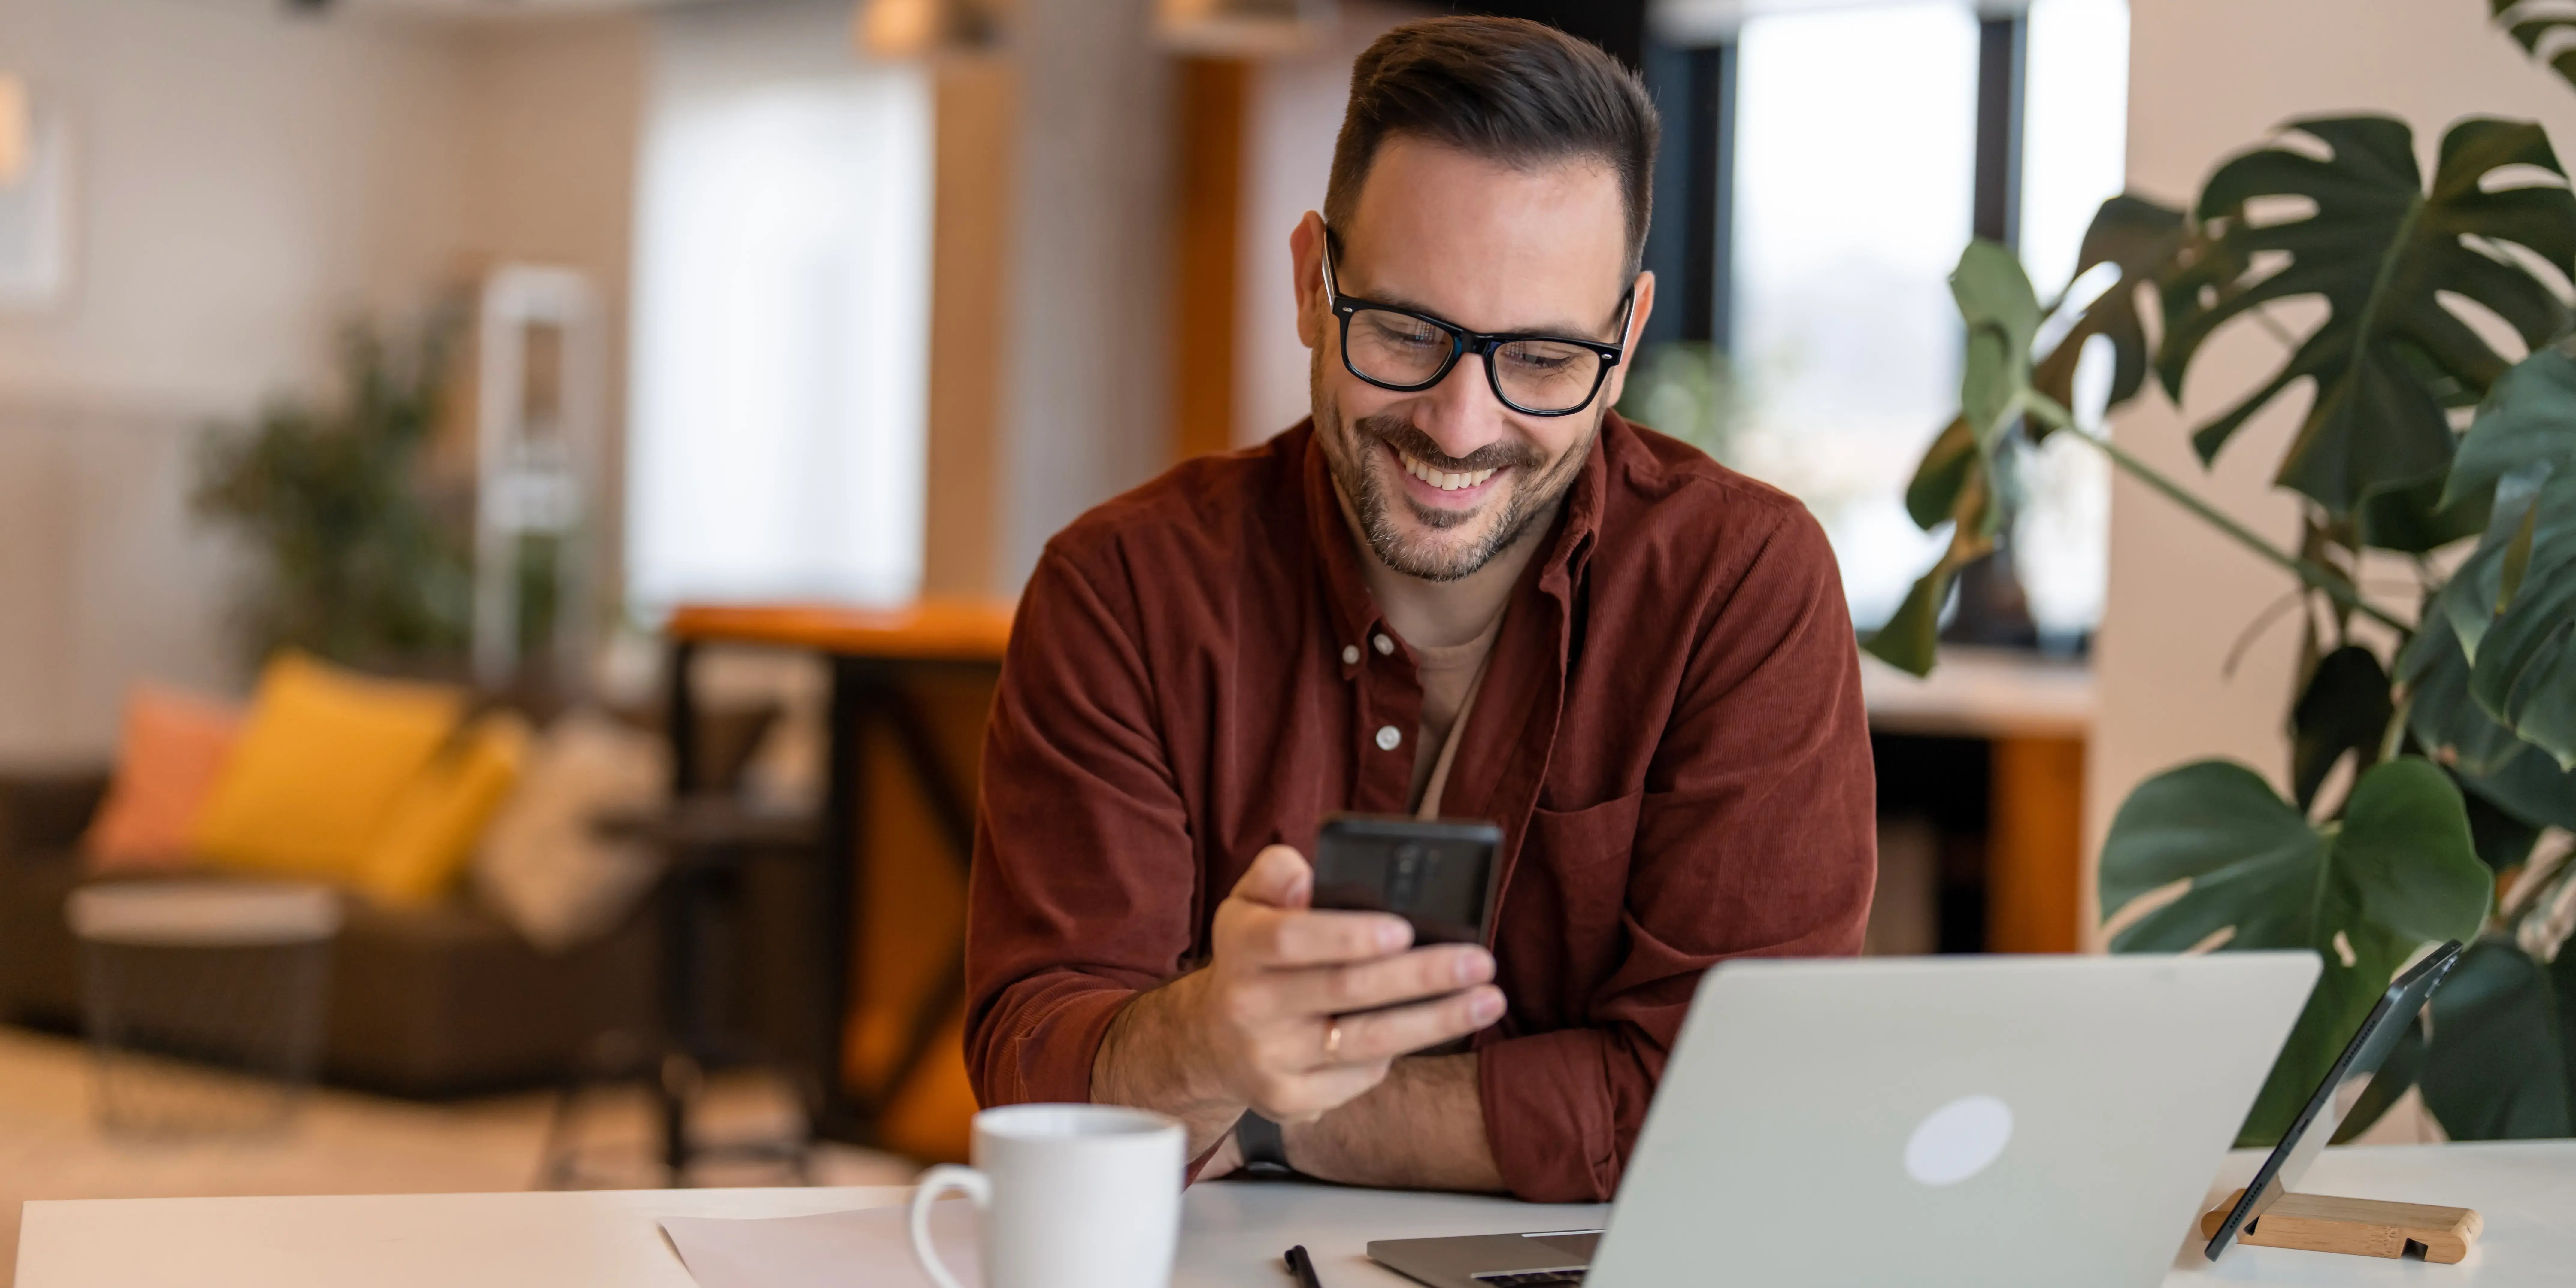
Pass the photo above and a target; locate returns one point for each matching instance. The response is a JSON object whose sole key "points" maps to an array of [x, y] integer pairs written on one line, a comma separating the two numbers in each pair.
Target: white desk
{"points": [[1233, 1232]]}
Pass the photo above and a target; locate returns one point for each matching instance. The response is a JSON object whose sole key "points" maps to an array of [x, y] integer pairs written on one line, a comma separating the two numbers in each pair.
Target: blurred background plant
{"points": [[2432, 746], [1688, 389], [358, 557]]}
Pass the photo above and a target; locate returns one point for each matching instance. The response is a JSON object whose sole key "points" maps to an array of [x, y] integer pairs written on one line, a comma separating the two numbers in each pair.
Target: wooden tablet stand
{"points": [[2359, 1227]]}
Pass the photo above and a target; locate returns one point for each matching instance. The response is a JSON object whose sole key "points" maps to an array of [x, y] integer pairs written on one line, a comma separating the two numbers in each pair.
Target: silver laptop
{"points": [[1986, 1121]]}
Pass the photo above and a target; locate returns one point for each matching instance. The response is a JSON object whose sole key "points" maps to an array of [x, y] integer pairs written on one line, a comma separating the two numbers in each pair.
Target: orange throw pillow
{"points": [[169, 753]]}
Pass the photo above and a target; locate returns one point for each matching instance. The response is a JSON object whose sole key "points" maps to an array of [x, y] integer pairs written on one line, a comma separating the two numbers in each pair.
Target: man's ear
{"points": [[1306, 274], [1634, 339]]}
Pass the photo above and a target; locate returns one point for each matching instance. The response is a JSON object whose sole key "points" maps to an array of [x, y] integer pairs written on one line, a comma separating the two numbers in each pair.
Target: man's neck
{"points": [[1444, 614]]}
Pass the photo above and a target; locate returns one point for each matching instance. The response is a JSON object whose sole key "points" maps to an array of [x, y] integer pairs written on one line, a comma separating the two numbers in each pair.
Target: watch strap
{"points": [[1263, 1145]]}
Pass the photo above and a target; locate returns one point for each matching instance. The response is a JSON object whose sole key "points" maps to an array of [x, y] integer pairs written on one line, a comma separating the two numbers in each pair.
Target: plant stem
{"points": [[2336, 586]]}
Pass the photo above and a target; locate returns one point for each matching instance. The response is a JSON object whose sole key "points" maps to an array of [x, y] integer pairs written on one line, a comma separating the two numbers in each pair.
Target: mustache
{"points": [[1406, 437]]}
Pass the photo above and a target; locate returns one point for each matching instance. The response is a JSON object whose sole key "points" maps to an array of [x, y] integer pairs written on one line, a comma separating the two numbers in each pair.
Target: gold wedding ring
{"points": [[1333, 1041]]}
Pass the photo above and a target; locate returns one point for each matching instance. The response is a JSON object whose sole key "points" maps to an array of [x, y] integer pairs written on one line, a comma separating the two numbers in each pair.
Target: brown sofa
{"points": [[428, 1002]]}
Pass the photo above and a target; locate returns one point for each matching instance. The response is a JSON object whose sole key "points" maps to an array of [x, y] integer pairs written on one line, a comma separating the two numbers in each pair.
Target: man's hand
{"points": [[1272, 1022]]}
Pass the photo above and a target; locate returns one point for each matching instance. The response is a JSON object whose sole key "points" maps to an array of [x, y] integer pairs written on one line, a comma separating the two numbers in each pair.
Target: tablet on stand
{"points": [[2267, 1213]]}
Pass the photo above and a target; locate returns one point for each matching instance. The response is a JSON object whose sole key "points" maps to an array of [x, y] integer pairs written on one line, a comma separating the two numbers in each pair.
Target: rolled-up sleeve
{"points": [[1084, 888], [1755, 836]]}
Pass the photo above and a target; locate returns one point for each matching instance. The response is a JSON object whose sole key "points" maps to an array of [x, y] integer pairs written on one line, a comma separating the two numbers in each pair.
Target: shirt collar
{"points": [[1355, 611]]}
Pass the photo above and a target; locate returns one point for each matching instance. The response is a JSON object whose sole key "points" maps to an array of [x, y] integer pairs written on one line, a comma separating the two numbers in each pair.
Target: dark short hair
{"points": [[1505, 89]]}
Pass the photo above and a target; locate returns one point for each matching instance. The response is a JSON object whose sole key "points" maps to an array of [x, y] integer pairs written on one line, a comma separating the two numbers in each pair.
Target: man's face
{"points": [[1442, 478]]}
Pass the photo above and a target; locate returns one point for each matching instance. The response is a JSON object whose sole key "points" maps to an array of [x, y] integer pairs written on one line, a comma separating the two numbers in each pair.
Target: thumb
{"points": [[1278, 878]]}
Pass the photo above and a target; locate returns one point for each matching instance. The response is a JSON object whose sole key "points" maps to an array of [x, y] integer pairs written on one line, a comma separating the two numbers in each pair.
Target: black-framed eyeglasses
{"points": [[1404, 351]]}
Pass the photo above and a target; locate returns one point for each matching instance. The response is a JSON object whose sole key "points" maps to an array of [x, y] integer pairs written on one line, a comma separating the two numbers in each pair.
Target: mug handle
{"points": [[935, 1182]]}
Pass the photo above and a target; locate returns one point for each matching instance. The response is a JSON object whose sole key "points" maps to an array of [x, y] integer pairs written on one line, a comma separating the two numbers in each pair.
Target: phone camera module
{"points": [[1404, 876]]}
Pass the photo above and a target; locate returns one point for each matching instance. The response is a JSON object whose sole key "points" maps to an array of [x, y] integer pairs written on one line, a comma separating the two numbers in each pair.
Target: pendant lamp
{"points": [[907, 29]]}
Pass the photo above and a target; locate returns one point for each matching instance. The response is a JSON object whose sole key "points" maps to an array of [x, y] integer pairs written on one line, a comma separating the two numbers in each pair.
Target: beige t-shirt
{"points": [[1450, 677]]}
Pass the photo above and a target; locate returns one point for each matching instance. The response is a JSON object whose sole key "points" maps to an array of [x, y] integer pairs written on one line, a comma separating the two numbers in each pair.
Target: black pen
{"points": [[1303, 1266]]}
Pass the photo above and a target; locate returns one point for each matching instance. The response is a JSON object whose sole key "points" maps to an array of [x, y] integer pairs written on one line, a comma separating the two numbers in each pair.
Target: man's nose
{"points": [[1461, 413]]}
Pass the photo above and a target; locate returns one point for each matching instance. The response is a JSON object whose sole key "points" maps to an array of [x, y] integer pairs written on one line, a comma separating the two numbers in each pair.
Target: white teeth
{"points": [[1441, 479]]}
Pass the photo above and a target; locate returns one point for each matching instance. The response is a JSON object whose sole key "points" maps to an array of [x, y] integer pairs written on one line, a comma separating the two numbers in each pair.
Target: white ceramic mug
{"points": [[1069, 1196]]}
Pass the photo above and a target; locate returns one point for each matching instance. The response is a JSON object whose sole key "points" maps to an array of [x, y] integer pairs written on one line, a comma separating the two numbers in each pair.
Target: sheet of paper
{"points": [[868, 1248]]}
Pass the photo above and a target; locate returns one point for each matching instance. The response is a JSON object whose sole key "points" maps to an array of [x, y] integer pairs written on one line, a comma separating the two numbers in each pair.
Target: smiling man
{"points": [[1464, 588]]}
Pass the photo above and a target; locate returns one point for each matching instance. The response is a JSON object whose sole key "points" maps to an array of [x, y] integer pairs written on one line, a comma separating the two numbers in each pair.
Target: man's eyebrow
{"points": [[1570, 330]]}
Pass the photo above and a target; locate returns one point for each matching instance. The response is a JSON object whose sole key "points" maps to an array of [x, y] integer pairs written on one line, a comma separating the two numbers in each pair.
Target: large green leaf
{"points": [[2397, 871], [2484, 756], [2416, 520], [2142, 238], [2531, 21], [2497, 1065], [2344, 708], [2504, 839], [2488, 760], [1910, 640], [2512, 605], [2002, 315], [2531, 787], [2379, 249], [2562, 983], [1943, 475], [2449, 723], [1956, 480]]}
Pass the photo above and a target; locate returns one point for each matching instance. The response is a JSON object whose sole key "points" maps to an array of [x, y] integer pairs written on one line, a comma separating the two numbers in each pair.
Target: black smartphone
{"points": [[1437, 875]]}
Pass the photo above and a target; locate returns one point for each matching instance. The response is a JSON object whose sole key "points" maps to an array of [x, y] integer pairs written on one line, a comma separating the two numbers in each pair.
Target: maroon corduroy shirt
{"points": [[1670, 734]]}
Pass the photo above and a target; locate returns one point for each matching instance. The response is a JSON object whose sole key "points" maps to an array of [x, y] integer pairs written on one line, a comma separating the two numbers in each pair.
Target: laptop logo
{"points": [[1958, 1140]]}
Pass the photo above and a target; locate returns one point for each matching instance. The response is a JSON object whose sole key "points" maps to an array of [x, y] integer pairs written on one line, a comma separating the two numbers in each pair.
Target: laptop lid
{"points": [[1989, 1121]]}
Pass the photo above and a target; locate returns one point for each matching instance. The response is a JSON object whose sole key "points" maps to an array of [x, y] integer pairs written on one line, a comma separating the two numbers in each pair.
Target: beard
{"points": [[1375, 496]]}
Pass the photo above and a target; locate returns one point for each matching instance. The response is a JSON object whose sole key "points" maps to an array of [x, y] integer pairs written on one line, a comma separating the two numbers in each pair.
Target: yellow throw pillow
{"points": [[320, 763], [441, 813]]}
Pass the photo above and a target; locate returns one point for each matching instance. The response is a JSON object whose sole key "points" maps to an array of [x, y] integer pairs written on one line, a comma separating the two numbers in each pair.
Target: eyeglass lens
{"points": [[1537, 375]]}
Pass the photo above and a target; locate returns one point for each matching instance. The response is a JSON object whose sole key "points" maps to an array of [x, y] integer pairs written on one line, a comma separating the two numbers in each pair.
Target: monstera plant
{"points": [[2438, 436]]}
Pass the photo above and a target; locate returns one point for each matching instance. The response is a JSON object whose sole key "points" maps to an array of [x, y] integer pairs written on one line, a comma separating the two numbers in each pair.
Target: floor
{"points": [[342, 1143]]}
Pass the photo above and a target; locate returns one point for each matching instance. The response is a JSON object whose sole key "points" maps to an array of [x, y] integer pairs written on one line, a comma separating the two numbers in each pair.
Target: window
{"points": [[1842, 157], [781, 315], [1856, 138], [2075, 112]]}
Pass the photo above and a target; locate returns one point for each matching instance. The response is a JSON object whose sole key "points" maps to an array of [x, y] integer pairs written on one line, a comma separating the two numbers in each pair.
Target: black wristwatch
{"points": [[1263, 1145]]}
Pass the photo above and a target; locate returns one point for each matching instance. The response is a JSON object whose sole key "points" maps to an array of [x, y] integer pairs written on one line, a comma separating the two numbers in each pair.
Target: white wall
{"points": [[1089, 401], [243, 179], [1292, 113], [246, 182], [243, 183], [2207, 78], [552, 112]]}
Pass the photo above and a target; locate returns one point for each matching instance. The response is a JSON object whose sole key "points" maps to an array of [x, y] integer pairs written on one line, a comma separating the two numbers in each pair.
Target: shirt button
{"points": [[1388, 735], [1384, 645], [1350, 655]]}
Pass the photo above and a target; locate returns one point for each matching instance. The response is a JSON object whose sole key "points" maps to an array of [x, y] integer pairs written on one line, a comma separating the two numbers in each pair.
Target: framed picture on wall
{"points": [[35, 199]]}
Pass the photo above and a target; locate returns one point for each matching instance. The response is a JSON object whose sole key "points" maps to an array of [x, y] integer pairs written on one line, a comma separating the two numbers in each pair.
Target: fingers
{"points": [[1424, 972], [1380, 1036], [1278, 878], [1282, 971], [1273, 938], [1334, 938]]}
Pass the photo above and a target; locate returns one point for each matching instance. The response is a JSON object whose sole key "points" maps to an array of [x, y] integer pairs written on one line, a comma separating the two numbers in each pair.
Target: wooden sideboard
{"points": [[909, 691], [2032, 716]]}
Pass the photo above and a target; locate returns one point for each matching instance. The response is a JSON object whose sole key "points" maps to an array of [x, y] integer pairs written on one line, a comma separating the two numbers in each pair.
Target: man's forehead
{"points": [[1488, 245]]}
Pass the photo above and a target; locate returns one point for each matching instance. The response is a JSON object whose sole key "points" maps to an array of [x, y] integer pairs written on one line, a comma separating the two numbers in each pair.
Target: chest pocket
{"points": [[1568, 891]]}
